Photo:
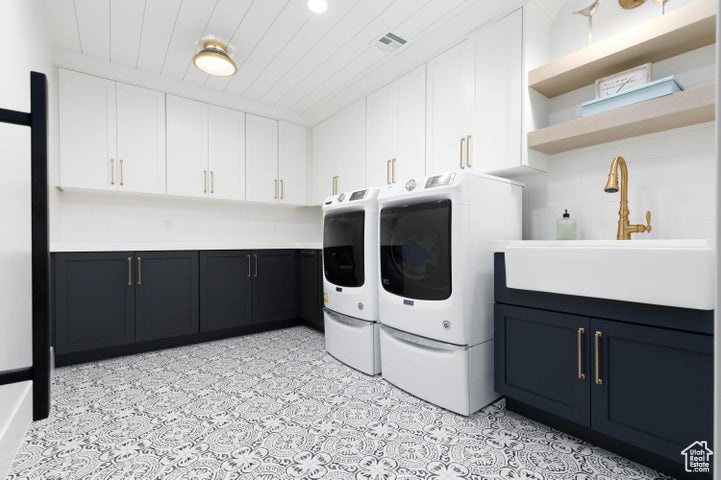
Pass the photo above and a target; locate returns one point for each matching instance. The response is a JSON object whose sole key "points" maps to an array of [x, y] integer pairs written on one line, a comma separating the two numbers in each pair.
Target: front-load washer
{"points": [[436, 295], [350, 279]]}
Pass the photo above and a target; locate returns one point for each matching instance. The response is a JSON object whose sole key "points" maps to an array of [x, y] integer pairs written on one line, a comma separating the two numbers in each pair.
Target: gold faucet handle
{"points": [[647, 228]]}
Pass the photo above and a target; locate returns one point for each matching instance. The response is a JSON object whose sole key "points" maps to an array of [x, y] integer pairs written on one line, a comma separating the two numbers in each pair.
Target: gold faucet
{"points": [[625, 229]]}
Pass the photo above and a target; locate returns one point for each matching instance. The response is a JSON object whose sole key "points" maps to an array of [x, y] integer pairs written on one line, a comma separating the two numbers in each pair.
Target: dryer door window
{"points": [[416, 250], [343, 248]]}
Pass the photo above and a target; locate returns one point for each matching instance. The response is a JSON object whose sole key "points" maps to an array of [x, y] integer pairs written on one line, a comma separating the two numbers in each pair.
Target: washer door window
{"points": [[416, 250], [343, 248]]}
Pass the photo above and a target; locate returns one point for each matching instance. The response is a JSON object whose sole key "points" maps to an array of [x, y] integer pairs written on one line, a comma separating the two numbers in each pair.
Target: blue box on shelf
{"points": [[658, 88]]}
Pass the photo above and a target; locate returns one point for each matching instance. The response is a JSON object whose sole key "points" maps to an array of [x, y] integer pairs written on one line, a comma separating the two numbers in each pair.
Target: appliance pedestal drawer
{"points": [[352, 341], [457, 378]]}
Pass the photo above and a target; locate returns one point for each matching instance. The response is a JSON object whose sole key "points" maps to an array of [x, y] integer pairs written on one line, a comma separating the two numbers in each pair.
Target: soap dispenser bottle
{"points": [[566, 227]]}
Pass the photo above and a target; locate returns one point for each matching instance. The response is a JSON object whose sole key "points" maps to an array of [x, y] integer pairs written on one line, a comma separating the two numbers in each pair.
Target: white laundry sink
{"points": [[677, 273]]}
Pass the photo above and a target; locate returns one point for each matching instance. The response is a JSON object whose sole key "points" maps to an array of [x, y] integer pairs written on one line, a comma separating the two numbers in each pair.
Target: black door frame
{"points": [[37, 120]]}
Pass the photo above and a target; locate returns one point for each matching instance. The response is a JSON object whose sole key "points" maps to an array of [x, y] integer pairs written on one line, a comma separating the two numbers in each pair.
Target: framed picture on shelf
{"points": [[622, 81]]}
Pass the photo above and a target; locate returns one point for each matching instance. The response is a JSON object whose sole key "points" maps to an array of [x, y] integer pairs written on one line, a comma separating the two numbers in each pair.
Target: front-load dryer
{"points": [[436, 295], [350, 279]]}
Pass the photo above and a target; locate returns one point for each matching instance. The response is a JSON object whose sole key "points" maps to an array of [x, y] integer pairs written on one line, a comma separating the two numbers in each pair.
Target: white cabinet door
{"points": [[187, 147], [497, 138], [380, 133], [87, 131], [323, 143], [450, 94], [410, 127], [349, 147], [292, 163], [226, 153], [141, 139], [261, 143]]}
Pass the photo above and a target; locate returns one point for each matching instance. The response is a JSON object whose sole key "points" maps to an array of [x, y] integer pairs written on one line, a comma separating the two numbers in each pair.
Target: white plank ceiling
{"points": [[286, 56]]}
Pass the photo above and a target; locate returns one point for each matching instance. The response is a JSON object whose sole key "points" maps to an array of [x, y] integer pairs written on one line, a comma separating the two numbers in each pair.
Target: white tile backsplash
{"points": [[672, 174]]}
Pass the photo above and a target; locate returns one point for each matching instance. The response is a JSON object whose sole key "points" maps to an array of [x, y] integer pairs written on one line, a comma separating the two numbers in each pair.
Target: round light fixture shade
{"points": [[213, 59], [317, 6]]}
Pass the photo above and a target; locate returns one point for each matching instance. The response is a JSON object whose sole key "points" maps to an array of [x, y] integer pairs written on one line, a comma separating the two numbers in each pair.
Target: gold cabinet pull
{"points": [[460, 154], [255, 257], [393, 170], [112, 171], [140, 270], [388, 172], [282, 189], [205, 181], [130, 271], [597, 337], [275, 186], [248, 265], [212, 182], [122, 181], [468, 151], [581, 375]]}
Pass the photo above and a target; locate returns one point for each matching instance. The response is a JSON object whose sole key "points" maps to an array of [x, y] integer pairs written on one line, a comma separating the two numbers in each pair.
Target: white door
{"points": [[349, 147], [450, 94], [261, 148], [141, 139], [410, 127], [380, 130], [226, 153], [324, 160], [187, 147], [497, 138], [87, 131], [292, 163]]}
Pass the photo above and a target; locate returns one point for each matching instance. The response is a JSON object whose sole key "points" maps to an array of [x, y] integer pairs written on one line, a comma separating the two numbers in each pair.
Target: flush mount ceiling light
{"points": [[213, 59], [317, 6]]}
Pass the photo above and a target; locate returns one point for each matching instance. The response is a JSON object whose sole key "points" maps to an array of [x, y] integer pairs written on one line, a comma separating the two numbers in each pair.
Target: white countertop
{"points": [[144, 247], [706, 243]]}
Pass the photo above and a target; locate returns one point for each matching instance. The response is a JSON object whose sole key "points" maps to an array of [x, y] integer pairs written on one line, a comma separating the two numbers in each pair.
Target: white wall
{"points": [[26, 49], [114, 218], [670, 174]]}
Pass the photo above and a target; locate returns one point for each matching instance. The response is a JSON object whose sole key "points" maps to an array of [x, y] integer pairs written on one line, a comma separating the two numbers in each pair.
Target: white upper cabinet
{"points": [[292, 163], [87, 131], [339, 152], [395, 130], [497, 138], [410, 130], [261, 137], [450, 109], [380, 135], [226, 154], [140, 139], [187, 147], [112, 135]]}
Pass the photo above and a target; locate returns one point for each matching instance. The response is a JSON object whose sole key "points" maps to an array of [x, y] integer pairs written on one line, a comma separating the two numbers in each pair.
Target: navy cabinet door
{"points": [[537, 360], [166, 294], [275, 294], [226, 298], [656, 387], [311, 287], [93, 300]]}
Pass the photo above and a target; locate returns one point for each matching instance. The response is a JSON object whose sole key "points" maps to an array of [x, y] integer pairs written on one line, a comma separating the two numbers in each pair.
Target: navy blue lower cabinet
{"points": [[542, 359], [311, 287], [654, 387], [94, 300], [275, 282], [226, 295], [166, 294]]}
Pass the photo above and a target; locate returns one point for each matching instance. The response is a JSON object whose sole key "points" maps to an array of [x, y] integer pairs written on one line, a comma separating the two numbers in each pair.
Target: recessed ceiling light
{"points": [[213, 59], [317, 6]]}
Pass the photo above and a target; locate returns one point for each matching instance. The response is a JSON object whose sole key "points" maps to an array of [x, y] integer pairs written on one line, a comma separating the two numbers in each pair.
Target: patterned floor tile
{"points": [[276, 406]]}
